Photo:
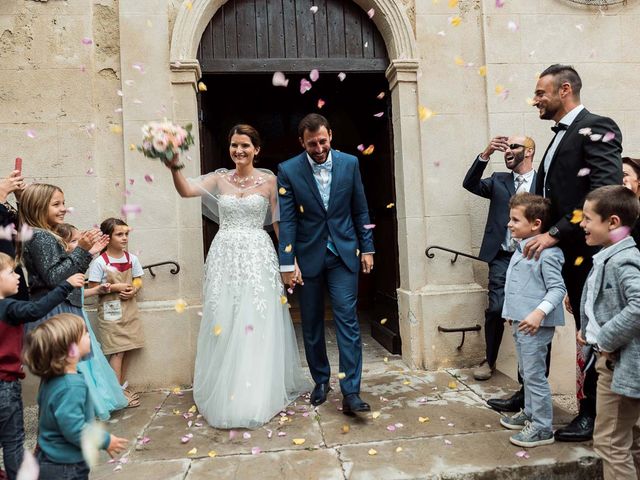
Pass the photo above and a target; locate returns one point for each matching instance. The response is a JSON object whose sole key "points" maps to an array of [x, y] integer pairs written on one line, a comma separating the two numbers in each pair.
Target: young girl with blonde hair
{"points": [[42, 207]]}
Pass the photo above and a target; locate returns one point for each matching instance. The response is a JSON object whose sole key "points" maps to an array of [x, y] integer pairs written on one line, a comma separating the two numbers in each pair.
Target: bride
{"points": [[247, 362]]}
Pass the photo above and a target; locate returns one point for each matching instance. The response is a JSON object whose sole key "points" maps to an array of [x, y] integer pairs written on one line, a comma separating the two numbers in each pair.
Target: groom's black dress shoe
{"points": [[515, 403], [319, 394], [353, 403], [579, 430]]}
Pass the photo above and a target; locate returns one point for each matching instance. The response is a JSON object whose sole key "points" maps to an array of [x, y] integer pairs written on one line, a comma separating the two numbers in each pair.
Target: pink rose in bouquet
{"points": [[165, 140]]}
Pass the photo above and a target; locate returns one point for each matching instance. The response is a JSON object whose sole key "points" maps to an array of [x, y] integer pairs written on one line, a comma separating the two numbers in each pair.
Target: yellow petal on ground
{"points": [[383, 321], [212, 453], [398, 449], [115, 128], [386, 359], [375, 414], [283, 299], [301, 209], [193, 451], [391, 205], [482, 71], [341, 375], [176, 390], [459, 61], [202, 87], [217, 330], [372, 452], [137, 283], [180, 306], [176, 411], [453, 384], [346, 428], [577, 216], [455, 21], [423, 419], [406, 382], [193, 409], [578, 261], [299, 441], [288, 248]]}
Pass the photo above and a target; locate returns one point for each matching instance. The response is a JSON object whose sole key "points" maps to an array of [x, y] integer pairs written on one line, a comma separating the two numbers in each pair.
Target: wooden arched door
{"points": [[243, 45]]}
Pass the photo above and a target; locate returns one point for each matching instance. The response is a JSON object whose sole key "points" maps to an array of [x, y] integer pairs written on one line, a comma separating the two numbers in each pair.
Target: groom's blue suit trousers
{"points": [[342, 285]]}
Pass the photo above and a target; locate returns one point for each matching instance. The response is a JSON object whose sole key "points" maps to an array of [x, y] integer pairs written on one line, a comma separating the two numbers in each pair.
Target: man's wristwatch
{"points": [[554, 232]]}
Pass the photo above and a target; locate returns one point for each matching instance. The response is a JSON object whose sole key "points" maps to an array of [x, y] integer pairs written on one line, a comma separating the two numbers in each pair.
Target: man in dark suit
{"points": [[497, 247], [585, 154], [324, 226]]}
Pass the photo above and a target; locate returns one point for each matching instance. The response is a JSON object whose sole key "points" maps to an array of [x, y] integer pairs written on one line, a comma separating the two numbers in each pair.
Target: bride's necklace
{"points": [[241, 181]]}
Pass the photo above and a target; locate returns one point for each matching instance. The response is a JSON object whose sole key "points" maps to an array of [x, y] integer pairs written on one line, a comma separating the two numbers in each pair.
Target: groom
{"points": [[323, 213]]}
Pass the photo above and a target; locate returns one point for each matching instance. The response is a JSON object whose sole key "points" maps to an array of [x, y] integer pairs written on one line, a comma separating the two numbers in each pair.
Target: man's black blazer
{"points": [[578, 151], [499, 188]]}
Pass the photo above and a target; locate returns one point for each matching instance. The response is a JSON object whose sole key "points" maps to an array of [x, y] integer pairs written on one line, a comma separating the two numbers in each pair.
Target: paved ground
{"points": [[424, 425]]}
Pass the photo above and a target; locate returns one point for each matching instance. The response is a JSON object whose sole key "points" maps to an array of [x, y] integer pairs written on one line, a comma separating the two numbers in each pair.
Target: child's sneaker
{"points": [[515, 422], [532, 437]]}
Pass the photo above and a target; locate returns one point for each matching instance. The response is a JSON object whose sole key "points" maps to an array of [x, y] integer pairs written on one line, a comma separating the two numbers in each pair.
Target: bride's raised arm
{"points": [[186, 188]]}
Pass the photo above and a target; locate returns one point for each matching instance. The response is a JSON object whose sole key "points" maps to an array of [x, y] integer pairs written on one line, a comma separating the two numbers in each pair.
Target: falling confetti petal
{"points": [[499, 3], [299, 441], [188, 5], [342, 76], [91, 440], [458, 61], [129, 210], [512, 26], [372, 452], [530, 102], [360, 147], [288, 248], [321, 103], [314, 9], [248, 329], [522, 454], [282, 191], [341, 375], [301, 208], [345, 428], [87, 41], [202, 87], [290, 290], [385, 359], [180, 306], [576, 216], [578, 261], [441, 33], [380, 96], [424, 113], [378, 115], [91, 171], [608, 137], [283, 299], [482, 71], [314, 75], [619, 233], [305, 86], [369, 150], [137, 282], [371, 12], [132, 146], [148, 178], [119, 92], [580, 27], [383, 321], [115, 128], [217, 330], [138, 66], [585, 131], [369, 226], [390, 205], [31, 133], [357, 252], [595, 137], [455, 21]]}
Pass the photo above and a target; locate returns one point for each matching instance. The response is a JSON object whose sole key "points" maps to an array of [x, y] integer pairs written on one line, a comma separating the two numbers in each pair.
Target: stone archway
{"points": [[402, 74]]}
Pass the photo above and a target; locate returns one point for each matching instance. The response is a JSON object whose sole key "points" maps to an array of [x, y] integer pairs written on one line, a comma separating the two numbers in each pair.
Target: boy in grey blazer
{"points": [[610, 324], [534, 291]]}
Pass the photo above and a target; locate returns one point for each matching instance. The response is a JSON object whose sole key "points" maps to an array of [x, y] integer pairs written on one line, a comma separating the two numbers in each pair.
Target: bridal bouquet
{"points": [[164, 140]]}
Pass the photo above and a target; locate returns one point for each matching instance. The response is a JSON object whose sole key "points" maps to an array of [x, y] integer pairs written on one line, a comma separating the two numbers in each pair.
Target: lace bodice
{"points": [[242, 212]]}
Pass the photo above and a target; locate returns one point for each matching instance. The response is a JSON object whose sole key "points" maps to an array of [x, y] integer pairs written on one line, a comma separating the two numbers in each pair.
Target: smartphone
{"points": [[18, 165]]}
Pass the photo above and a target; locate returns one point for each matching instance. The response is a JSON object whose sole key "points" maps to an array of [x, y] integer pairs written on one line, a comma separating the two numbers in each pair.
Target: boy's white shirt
{"points": [[98, 271]]}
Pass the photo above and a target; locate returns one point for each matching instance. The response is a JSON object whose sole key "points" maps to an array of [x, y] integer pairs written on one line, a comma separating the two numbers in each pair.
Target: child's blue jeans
{"points": [[61, 471], [11, 426]]}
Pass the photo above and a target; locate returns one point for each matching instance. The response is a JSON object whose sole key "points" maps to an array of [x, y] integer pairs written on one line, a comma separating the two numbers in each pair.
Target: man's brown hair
{"points": [[615, 200], [535, 207]]}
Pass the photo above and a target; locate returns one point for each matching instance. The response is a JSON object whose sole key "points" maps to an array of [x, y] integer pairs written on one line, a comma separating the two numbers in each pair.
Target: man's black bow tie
{"points": [[559, 127]]}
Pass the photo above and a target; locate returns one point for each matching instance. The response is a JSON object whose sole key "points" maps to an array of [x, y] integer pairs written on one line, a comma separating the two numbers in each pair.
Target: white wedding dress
{"points": [[247, 362]]}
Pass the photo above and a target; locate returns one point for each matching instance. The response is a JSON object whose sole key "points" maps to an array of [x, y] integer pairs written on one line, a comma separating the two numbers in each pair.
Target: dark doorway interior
{"points": [[350, 106]]}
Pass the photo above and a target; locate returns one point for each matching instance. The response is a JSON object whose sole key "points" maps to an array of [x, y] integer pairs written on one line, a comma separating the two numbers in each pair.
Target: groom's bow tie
{"points": [[318, 167], [559, 127]]}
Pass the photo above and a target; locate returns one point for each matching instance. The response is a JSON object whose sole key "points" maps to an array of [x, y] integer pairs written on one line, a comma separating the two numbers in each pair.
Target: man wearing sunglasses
{"points": [[497, 246]]}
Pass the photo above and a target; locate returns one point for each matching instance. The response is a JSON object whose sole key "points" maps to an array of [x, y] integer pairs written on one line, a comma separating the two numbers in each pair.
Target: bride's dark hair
{"points": [[249, 131]]}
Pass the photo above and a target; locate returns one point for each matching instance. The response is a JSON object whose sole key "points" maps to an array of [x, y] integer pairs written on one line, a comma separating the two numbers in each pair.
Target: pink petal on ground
{"points": [[279, 80], [198, 424], [583, 172], [246, 435], [282, 434], [305, 85], [619, 233], [369, 226], [371, 12], [256, 451], [379, 114], [232, 434], [314, 75], [269, 433], [342, 76], [186, 438], [447, 442], [87, 41], [31, 133], [522, 454], [391, 428], [608, 136], [148, 178]]}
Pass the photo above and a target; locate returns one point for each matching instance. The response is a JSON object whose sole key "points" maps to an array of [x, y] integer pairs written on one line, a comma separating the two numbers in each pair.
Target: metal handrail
{"points": [[455, 252], [175, 270], [463, 330]]}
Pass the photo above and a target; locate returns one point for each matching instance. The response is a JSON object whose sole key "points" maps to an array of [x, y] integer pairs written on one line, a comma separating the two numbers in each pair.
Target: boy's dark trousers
{"points": [[61, 471], [11, 426]]}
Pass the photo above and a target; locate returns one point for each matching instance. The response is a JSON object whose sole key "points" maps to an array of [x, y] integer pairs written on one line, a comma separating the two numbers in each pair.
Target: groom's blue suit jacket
{"points": [[305, 224]]}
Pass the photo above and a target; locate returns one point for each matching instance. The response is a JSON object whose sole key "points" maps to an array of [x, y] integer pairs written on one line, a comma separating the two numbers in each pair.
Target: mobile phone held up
{"points": [[18, 165]]}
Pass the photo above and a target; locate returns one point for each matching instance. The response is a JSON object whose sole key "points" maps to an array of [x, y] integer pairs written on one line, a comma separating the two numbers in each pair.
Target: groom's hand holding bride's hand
{"points": [[366, 260], [291, 279]]}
